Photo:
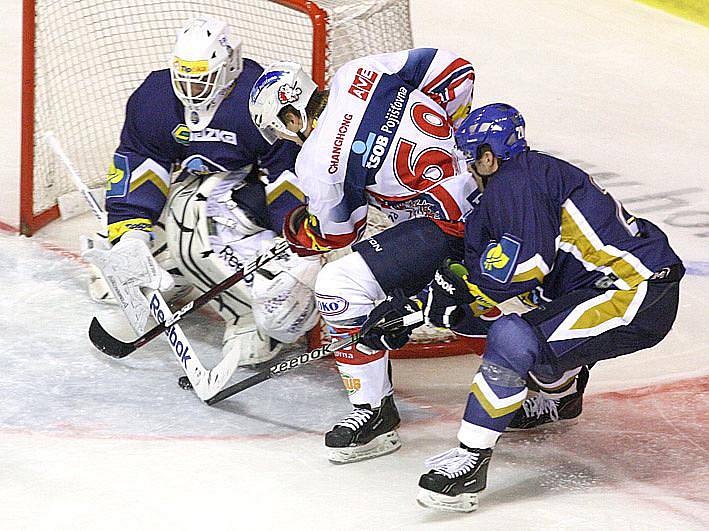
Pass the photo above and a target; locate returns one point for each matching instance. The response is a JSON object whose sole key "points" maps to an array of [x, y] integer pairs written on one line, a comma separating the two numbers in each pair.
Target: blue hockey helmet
{"points": [[499, 125]]}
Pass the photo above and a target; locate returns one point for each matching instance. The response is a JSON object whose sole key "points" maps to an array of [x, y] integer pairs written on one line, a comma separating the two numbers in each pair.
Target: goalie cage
{"points": [[82, 60]]}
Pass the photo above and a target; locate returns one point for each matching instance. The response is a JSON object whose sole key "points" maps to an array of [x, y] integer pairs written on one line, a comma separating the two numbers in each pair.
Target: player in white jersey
{"points": [[383, 137]]}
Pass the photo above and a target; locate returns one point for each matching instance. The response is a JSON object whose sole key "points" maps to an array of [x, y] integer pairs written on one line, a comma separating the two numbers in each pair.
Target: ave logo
{"points": [[363, 83]]}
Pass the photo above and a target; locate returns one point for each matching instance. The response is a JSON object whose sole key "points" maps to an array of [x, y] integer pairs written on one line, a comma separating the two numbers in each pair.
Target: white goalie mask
{"points": [[204, 66], [281, 85]]}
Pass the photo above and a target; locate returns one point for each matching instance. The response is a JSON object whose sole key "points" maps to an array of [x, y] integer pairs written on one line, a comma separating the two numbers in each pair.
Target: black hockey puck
{"points": [[184, 382]]}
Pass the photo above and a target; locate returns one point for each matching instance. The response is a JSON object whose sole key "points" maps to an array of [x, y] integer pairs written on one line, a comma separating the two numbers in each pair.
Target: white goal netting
{"points": [[91, 54]]}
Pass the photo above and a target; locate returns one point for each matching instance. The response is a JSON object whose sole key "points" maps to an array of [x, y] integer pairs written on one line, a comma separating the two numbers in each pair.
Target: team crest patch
{"points": [[118, 176], [499, 259]]}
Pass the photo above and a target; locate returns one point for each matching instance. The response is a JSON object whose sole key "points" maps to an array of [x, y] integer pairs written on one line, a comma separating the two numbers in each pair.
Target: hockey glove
{"points": [[300, 229], [450, 291], [447, 295], [379, 331]]}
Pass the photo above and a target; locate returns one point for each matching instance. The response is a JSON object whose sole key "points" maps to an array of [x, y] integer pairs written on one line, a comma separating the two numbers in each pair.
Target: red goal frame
{"points": [[31, 222]]}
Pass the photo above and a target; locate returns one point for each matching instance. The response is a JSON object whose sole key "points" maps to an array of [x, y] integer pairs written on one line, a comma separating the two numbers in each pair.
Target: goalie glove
{"points": [[378, 334], [127, 267], [449, 292]]}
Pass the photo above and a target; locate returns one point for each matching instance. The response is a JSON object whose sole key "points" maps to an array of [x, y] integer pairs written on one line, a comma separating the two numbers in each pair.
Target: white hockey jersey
{"points": [[385, 139]]}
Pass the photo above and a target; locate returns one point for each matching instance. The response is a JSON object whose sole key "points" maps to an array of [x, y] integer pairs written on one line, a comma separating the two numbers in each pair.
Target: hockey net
{"points": [[82, 60]]}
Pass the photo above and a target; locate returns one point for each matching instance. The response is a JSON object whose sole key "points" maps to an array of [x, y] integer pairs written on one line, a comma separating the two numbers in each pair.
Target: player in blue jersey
{"points": [[600, 283], [191, 158]]}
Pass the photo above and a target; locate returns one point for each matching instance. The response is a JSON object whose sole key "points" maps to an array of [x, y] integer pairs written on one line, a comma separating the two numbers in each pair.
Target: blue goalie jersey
{"points": [[155, 141], [543, 222]]}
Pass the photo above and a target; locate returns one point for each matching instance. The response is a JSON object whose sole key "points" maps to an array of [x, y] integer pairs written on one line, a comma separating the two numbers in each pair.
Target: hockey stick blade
{"points": [[106, 343]]}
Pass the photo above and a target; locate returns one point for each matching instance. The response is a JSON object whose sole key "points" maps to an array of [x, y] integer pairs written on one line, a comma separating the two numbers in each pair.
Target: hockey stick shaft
{"points": [[205, 382], [413, 319], [281, 367], [78, 182], [116, 348]]}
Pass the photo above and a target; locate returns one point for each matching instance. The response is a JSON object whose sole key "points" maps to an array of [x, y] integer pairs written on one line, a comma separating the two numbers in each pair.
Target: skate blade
{"points": [[463, 503], [384, 444], [560, 424]]}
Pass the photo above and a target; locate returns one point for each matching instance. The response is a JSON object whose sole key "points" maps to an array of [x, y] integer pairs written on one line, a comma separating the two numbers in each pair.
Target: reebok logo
{"points": [[181, 350], [299, 360], [444, 284]]}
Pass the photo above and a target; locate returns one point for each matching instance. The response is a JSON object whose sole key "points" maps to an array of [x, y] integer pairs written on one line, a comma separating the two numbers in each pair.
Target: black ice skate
{"points": [[455, 478], [364, 433], [542, 409]]}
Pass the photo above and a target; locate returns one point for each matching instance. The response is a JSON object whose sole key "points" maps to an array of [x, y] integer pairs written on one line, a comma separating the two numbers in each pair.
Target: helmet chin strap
{"points": [[302, 137]]}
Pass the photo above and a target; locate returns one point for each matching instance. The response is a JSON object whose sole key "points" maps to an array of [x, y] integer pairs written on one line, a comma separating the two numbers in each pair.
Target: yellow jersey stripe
{"points": [[599, 255], [616, 306], [149, 176], [285, 186], [490, 409]]}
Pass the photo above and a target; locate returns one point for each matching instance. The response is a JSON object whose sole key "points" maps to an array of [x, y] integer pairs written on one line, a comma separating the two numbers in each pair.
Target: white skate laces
{"points": [[453, 463], [356, 419], [539, 404]]}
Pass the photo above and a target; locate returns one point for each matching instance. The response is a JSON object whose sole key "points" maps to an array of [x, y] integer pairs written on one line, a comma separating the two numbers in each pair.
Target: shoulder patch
{"points": [[118, 176], [499, 259]]}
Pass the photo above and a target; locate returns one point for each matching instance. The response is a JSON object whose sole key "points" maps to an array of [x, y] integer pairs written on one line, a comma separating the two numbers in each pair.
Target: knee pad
{"points": [[513, 344], [164, 258], [244, 341], [346, 291]]}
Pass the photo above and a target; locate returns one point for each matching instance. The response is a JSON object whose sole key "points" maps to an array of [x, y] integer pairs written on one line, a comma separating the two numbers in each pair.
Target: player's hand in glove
{"points": [[449, 292], [383, 330], [300, 229], [447, 295]]}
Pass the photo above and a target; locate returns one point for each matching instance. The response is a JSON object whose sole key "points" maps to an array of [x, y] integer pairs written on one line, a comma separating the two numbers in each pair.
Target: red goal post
{"points": [[81, 61]]}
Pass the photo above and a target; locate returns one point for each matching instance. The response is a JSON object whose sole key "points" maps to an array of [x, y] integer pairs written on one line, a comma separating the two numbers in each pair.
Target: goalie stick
{"points": [[206, 382], [116, 348], [413, 319], [99, 212]]}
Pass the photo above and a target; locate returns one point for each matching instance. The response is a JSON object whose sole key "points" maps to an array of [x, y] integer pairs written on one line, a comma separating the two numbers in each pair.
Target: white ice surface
{"points": [[87, 442]]}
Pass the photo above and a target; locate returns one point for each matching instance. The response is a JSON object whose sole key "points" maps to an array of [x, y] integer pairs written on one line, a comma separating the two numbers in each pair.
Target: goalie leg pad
{"points": [[188, 240], [244, 341]]}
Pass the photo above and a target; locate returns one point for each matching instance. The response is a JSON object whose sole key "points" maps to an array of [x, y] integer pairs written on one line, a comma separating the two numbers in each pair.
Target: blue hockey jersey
{"points": [[542, 222], [155, 141]]}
